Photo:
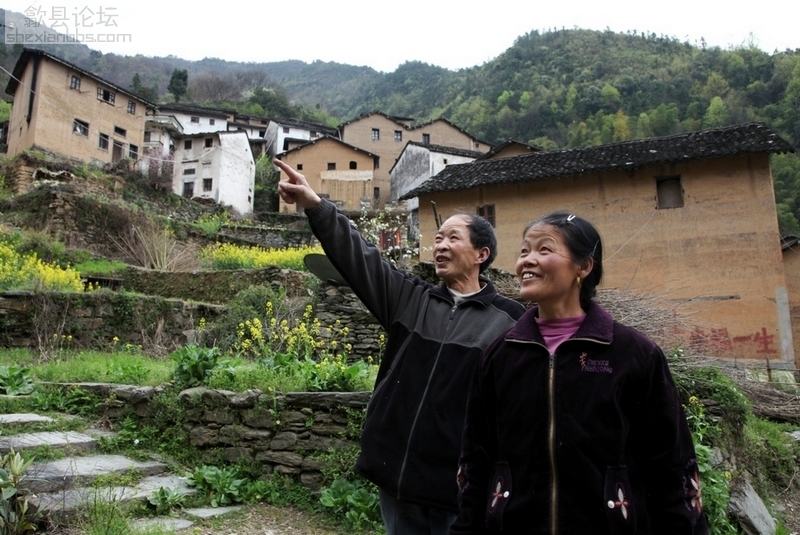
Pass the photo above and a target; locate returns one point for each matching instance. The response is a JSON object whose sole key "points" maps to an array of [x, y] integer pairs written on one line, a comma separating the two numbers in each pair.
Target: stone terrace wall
{"points": [[93, 319], [212, 286], [339, 303], [282, 434]]}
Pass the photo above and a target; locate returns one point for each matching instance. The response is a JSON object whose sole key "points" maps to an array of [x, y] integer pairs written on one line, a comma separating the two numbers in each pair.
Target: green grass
{"points": [[99, 267], [121, 367]]}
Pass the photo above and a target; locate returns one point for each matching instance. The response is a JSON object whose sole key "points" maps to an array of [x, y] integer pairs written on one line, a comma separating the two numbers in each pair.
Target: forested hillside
{"points": [[559, 89]]}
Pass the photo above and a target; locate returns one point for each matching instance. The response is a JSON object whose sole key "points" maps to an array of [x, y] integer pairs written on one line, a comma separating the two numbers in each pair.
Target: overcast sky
{"points": [[383, 35]]}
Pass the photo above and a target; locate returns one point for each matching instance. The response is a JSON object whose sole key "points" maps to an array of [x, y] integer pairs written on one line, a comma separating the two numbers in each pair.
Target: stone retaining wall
{"points": [[283, 434]]}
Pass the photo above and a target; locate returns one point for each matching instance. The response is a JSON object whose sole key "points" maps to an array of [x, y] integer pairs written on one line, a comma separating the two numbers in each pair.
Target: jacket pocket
{"points": [[500, 490], [619, 506]]}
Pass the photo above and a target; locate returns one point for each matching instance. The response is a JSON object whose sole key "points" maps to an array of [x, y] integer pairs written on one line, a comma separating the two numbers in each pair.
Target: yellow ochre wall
{"points": [[717, 258]]}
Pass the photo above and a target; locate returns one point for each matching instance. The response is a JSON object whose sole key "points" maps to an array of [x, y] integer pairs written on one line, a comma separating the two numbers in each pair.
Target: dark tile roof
{"points": [[442, 119], [316, 127], [398, 120], [447, 150], [440, 149], [193, 108], [509, 143], [750, 138], [309, 143], [788, 241], [28, 53]]}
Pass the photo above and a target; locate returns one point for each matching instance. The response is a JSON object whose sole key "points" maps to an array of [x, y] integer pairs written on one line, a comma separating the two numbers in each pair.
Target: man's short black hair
{"points": [[481, 234]]}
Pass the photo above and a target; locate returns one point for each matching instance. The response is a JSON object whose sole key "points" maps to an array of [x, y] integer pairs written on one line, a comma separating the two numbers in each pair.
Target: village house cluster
{"points": [[690, 218]]}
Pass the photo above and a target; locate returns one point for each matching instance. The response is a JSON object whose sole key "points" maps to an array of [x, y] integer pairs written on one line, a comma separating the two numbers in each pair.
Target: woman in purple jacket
{"points": [[574, 424]]}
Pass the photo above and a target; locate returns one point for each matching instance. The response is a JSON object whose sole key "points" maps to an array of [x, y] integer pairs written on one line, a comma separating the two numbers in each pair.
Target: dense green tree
{"points": [[178, 83], [716, 115]]}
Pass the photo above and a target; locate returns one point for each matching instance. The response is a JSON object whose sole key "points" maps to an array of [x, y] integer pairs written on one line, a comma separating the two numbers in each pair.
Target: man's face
{"points": [[454, 256]]}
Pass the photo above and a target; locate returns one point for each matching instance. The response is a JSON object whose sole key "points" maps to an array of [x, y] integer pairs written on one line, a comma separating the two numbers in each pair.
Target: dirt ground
{"points": [[261, 519]]}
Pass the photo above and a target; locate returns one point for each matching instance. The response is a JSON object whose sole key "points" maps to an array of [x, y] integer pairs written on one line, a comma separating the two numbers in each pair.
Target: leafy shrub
{"points": [[194, 364], [17, 516], [246, 305], [209, 224], [352, 502], [15, 381], [230, 256], [164, 500], [728, 403], [221, 486], [715, 483]]}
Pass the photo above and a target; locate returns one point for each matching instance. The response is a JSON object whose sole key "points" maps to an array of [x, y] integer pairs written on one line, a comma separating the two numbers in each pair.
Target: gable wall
{"points": [[446, 135], [717, 258], [359, 134], [344, 185], [59, 106], [236, 179]]}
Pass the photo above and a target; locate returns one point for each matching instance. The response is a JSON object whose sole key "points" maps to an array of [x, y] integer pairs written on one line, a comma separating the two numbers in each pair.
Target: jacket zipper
{"points": [[551, 438], [552, 447], [422, 401]]}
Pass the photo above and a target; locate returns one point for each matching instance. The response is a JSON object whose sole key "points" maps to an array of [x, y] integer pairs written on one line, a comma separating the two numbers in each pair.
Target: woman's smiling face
{"points": [[547, 272]]}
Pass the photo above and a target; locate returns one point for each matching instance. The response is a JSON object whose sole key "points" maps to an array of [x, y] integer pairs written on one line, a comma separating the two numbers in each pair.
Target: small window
{"points": [[445, 161], [426, 139], [207, 183], [75, 83], [314, 135], [121, 132], [133, 152], [147, 137], [188, 189], [331, 166], [376, 134], [398, 135], [299, 167], [189, 171], [669, 193], [212, 121], [131, 107], [105, 95], [80, 127], [195, 120], [187, 145], [487, 212], [262, 133], [103, 143], [209, 142], [376, 194], [285, 129], [353, 165]]}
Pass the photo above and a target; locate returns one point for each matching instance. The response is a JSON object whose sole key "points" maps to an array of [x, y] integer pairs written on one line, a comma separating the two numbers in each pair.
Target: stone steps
{"points": [[70, 472], [61, 505], [71, 441], [61, 487]]}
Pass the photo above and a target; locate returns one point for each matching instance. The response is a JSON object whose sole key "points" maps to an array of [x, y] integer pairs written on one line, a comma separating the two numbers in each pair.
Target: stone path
{"points": [[59, 487]]}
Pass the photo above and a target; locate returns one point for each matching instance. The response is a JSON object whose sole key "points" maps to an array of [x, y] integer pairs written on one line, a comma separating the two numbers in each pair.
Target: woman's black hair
{"points": [[583, 241], [481, 234]]}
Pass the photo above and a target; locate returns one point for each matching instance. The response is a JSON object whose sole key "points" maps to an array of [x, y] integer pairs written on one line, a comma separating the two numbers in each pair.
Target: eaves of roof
{"points": [[750, 138], [200, 110], [394, 119], [423, 125], [28, 53], [331, 138]]}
